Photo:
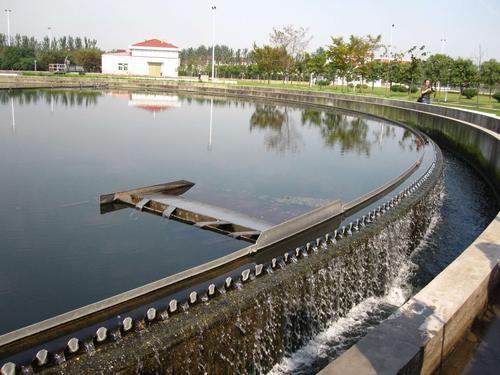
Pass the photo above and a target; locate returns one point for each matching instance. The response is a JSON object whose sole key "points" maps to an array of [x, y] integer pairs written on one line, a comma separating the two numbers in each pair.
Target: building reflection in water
{"points": [[153, 103]]}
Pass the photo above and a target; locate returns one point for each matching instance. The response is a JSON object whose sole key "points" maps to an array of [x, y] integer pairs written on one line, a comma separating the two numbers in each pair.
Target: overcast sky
{"points": [[118, 23]]}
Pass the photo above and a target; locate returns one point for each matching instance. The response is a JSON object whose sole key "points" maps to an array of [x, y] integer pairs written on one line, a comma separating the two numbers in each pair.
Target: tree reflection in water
{"points": [[283, 135], [65, 97]]}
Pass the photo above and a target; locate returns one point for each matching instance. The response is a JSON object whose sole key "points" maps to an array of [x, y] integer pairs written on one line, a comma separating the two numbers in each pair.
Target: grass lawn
{"points": [[481, 103]]}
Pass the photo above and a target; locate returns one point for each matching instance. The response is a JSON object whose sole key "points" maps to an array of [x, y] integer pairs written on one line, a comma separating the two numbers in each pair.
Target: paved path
{"points": [[479, 353]]}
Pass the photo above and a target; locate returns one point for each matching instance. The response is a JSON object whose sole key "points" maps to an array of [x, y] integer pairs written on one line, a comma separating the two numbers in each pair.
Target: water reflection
{"points": [[350, 133], [65, 97], [283, 135], [13, 116]]}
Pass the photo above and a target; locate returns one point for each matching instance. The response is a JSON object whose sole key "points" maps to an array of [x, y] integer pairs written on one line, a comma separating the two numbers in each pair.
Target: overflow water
{"points": [[464, 207]]}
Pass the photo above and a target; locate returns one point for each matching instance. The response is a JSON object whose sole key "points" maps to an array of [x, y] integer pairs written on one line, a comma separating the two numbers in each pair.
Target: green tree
{"points": [[438, 69], [412, 72], [489, 74], [89, 58], [464, 73], [374, 71], [17, 57], [270, 60]]}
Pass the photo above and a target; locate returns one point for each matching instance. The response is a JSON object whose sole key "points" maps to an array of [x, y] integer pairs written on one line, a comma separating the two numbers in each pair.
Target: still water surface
{"points": [[59, 150]]}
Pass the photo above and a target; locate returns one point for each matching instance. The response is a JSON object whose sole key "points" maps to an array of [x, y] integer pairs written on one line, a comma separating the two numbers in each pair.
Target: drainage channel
{"points": [[51, 341]]}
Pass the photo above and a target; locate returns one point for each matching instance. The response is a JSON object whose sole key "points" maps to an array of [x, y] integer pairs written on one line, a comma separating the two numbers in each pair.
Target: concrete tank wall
{"points": [[423, 331]]}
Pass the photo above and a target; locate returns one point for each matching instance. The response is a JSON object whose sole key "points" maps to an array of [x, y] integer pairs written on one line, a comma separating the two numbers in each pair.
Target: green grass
{"points": [[481, 103]]}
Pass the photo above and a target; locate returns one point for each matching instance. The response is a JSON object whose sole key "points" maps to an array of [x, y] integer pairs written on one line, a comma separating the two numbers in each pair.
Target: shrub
{"points": [[469, 93], [363, 86], [322, 82], [413, 89], [399, 88], [350, 85], [497, 96]]}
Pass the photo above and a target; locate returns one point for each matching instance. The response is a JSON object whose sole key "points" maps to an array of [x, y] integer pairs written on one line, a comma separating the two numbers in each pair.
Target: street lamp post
{"points": [[8, 12], [50, 35], [213, 41], [390, 48], [443, 41]]}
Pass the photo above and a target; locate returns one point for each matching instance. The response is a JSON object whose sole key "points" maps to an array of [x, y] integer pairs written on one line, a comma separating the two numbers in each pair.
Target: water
{"points": [[467, 205], [59, 150]]}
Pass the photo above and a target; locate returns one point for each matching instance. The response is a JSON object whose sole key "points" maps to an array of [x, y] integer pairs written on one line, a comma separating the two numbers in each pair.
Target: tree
{"points": [[489, 74], [89, 58], [438, 68], [270, 60], [293, 40], [349, 58], [316, 63], [17, 58], [412, 72], [463, 73], [373, 72]]}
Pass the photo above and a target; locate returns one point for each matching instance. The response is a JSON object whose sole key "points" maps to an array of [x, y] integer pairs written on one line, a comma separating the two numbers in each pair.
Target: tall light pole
{"points": [[213, 41], [443, 41], [50, 35], [390, 48], [8, 12]]}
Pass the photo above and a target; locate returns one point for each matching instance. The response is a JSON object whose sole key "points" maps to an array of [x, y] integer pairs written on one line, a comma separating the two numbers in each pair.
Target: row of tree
{"points": [[24, 51], [348, 61]]}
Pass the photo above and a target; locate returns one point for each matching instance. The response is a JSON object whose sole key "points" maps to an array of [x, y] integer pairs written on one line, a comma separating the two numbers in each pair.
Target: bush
{"points": [[496, 96], [399, 88], [413, 89], [350, 85], [323, 82], [363, 86], [469, 93]]}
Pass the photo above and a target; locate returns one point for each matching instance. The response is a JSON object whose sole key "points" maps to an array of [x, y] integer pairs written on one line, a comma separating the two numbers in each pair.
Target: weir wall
{"points": [[234, 333]]}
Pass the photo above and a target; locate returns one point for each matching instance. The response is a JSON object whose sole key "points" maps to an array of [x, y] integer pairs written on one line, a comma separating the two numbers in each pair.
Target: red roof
{"points": [[156, 43], [154, 108]]}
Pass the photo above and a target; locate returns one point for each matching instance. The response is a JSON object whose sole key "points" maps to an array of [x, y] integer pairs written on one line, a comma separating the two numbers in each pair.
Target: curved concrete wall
{"points": [[423, 331]]}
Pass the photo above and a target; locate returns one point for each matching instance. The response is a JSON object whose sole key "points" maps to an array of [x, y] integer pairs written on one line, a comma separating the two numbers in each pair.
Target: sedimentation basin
{"points": [[226, 326]]}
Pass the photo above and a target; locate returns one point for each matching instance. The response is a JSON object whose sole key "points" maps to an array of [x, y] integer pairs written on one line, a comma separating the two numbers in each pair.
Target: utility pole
{"points": [[479, 60], [443, 41], [8, 12], [390, 45], [213, 41], [50, 35]]}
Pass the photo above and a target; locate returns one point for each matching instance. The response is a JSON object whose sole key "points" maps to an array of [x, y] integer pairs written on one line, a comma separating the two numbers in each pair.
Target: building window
{"points": [[122, 66]]}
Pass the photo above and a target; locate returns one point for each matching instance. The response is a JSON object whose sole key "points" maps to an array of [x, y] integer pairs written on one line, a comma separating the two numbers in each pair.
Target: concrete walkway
{"points": [[479, 353]]}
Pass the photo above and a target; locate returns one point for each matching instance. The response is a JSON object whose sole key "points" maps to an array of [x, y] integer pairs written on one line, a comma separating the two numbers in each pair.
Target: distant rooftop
{"points": [[156, 43]]}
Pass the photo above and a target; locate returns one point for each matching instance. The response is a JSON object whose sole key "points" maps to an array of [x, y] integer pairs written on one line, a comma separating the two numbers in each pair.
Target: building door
{"points": [[154, 69]]}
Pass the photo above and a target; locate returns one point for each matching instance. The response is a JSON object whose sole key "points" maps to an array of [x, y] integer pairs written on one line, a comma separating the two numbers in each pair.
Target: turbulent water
{"points": [[465, 209]]}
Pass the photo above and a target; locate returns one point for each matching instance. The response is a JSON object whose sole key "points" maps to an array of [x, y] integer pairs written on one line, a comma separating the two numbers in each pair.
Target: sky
{"points": [[116, 24]]}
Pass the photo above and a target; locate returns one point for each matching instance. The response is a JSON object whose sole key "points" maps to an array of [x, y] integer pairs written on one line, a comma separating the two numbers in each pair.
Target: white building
{"points": [[149, 58]]}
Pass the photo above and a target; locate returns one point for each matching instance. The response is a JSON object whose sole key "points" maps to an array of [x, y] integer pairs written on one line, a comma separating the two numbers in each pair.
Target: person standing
{"points": [[425, 92]]}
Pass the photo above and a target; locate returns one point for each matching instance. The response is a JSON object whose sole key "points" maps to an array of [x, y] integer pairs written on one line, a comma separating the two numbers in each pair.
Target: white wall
{"points": [[110, 64], [169, 58], [138, 62]]}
